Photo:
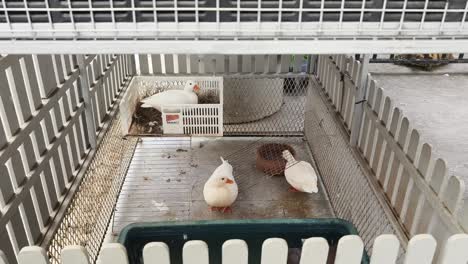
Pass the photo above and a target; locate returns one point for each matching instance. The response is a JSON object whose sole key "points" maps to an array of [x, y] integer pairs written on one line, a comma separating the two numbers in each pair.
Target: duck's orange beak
{"points": [[196, 88], [229, 181]]}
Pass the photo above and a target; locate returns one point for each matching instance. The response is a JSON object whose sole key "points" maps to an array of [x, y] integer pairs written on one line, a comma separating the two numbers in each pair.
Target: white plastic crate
{"points": [[184, 119]]}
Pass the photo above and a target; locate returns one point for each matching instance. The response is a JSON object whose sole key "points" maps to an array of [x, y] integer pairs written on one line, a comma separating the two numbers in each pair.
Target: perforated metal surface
{"points": [[166, 178], [86, 220]]}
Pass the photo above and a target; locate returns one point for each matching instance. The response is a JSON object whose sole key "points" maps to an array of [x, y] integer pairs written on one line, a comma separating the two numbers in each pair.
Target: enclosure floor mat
{"points": [[166, 177]]}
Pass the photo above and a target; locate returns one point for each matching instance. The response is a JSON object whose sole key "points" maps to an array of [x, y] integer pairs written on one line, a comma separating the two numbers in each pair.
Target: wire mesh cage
{"points": [[265, 104]]}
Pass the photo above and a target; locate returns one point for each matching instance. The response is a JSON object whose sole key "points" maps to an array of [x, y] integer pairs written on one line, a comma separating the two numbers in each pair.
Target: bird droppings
{"points": [[182, 172], [161, 206], [201, 145], [193, 165], [168, 180], [178, 180], [181, 150], [146, 178]]}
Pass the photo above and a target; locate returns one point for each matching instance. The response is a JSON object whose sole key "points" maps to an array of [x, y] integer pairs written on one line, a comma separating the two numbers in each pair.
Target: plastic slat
{"points": [[66, 161], [156, 252], [314, 250], [74, 255], [385, 250], [169, 63], [377, 151], [195, 252], [452, 196], [439, 175], [51, 187], [156, 64], [463, 217], [407, 194], [3, 258], [6, 246], [455, 250], [384, 162], [32, 217], [40, 196], [246, 64], [31, 79], [6, 186], [19, 88], [3, 135], [284, 62], [59, 68], [274, 251], [143, 63], [18, 228], [46, 68], [260, 63], [33, 254], [393, 172], [235, 251], [376, 104], [421, 249], [113, 253], [272, 63], [364, 132], [422, 214], [350, 250], [8, 107]]}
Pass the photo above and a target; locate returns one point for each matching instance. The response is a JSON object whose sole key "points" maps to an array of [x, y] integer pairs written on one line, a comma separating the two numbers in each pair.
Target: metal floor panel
{"points": [[166, 177]]}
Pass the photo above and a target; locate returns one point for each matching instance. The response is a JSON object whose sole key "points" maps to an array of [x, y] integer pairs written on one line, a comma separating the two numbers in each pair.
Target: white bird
{"points": [[300, 174], [220, 191], [186, 96]]}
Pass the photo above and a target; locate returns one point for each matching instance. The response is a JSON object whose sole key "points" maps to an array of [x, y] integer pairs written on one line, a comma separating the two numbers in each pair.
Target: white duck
{"points": [[221, 190], [300, 174], [186, 96]]}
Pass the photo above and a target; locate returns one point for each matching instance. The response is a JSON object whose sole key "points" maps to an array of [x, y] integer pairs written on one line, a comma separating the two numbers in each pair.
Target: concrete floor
{"points": [[166, 178], [436, 104]]}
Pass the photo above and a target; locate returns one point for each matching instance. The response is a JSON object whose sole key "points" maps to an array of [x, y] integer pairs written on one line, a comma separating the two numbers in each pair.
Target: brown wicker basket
{"points": [[270, 158]]}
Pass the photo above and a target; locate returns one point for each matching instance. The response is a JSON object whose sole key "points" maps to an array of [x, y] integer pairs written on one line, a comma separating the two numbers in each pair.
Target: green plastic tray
{"points": [[135, 236]]}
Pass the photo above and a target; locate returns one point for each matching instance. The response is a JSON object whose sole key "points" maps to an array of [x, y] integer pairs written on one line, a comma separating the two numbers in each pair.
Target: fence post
{"points": [[360, 100], [85, 88]]}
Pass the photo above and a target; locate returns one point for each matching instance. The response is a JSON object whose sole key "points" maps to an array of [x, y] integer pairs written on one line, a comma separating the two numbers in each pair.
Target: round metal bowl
{"points": [[270, 158]]}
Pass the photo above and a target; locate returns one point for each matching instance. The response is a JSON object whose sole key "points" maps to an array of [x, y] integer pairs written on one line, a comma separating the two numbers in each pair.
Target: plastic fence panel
{"points": [[421, 249]]}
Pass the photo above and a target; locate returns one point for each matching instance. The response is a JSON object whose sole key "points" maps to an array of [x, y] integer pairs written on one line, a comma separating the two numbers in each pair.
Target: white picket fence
{"points": [[418, 188], [420, 250]]}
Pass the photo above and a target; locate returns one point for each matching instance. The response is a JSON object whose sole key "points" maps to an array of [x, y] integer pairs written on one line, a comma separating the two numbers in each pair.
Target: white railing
{"points": [[415, 181], [350, 249], [157, 64], [52, 109], [233, 27], [231, 19]]}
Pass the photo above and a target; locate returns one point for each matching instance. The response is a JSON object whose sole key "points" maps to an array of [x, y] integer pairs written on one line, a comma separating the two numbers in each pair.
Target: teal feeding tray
{"points": [[254, 232]]}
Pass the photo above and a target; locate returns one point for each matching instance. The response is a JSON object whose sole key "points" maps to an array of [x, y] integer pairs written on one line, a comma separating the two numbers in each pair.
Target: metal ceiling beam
{"points": [[233, 47]]}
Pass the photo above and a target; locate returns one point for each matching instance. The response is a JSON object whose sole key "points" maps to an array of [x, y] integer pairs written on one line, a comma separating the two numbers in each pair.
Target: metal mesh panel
{"points": [[265, 104], [140, 18], [350, 192], [86, 219]]}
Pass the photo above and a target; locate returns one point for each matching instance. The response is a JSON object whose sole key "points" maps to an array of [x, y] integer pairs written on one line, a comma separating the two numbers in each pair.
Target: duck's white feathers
{"points": [[216, 193], [300, 175], [169, 97]]}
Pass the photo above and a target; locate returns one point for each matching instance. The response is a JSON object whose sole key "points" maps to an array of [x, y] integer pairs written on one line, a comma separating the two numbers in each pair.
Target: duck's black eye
{"points": [[222, 179]]}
